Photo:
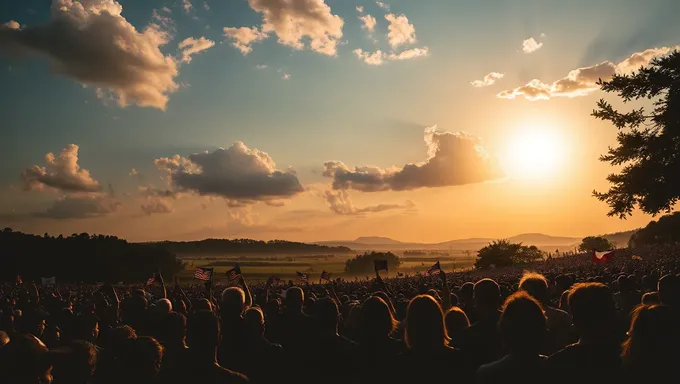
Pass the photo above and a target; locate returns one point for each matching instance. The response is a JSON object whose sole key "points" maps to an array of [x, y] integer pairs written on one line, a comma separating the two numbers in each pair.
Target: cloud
{"points": [[340, 202], [409, 54], [206, 6], [583, 81], [360, 8], [186, 4], [236, 173], [62, 173], [370, 58], [453, 159], [383, 5], [261, 66], [81, 207], [285, 76], [378, 57], [243, 37], [531, 45], [12, 24], [400, 30], [369, 22], [157, 205], [94, 44], [489, 79], [295, 22], [191, 46]]}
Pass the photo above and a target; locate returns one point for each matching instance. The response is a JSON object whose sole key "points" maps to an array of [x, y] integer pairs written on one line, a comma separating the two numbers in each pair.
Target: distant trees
{"points": [[225, 246], [81, 258], [363, 264], [502, 253], [595, 243], [664, 231], [648, 151]]}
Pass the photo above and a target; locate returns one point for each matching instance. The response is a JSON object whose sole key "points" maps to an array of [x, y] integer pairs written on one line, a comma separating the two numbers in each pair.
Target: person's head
{"points": [[487, 295], [142, 359], [4, 339], [327, 314], [174, 329], [652, 337], [650, 298], [593, 311], [202, 304], [118, 338], [465, 293], [425, 328], [295, 298], [376, 319], [564, 301], [77, 364], [253, 320], [536, 285], [203, 331], [669, 290], [387, 301], [456, 321], [88, 328], [523, 324], [623, 283], [25, 360], [163, 307], [232, 302]]}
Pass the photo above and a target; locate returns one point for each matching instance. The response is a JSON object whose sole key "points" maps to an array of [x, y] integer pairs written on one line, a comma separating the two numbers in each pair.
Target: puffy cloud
{"points": [[93, 43], [191, 46], [369, 22], [371, 58], [62, 173], [400, 30], [583, 81], [489, 79], [409, 54], [295, 21], [237, 173], [12, 24], [186, 4], [340, 202], [453, 159], [378, 57], [81, 207], [243, 37], [156, 205], [531, 45], [383, 5]]}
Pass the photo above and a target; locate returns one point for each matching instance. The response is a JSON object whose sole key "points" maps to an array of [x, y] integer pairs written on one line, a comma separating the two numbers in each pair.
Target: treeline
{"points": [[664, 231], [361, 264], [81, 258], [236, 246]]}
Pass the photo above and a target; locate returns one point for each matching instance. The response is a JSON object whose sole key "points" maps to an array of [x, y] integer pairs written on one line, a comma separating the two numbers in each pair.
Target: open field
{"points": [[259, 268]]}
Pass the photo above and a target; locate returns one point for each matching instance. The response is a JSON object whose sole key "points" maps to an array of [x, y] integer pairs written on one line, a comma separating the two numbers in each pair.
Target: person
{"points": [[263, 359], [141, 361], [77, 363], [669, 291], [25, 360], [296, 325], [523, 327], [377, 346], [482, 339], [233, 302], [174, 341], [456, 324], [596, 357]]}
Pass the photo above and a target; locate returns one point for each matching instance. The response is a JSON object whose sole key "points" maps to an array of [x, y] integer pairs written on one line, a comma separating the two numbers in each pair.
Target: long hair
{"points": [[652, 337], [425, 327], [376, 318]]}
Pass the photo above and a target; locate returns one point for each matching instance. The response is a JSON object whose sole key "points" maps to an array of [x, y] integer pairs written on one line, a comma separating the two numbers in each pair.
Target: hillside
{"points": [[376, 240], [223, 247]]}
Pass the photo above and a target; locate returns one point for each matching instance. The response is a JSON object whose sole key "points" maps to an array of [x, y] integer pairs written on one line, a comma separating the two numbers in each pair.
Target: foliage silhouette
{"points": [[502, 253], [595, 243], [649, 149], [235, 246], [364, 263], [664, 231]]}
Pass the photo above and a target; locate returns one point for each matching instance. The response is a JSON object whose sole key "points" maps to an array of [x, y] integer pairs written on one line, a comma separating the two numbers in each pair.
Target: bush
{"points": [[503, 253], [595, 243], [362, 264]]}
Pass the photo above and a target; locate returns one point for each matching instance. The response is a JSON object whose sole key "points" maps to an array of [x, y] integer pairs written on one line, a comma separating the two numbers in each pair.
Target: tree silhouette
{"points": [[664, 231], [649, 148], [595, 243], [502, 253], [364, 263]]}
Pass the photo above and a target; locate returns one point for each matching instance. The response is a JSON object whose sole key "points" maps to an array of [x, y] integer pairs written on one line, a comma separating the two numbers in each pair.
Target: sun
{"points": [[534, 153]]}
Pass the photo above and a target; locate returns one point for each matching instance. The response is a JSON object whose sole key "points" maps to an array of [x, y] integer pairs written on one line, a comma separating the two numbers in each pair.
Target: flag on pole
{"points": [[49, 281], [380, 265], [602, 257], [203, 273], [18, 280], [325, 276], [636, 257], [399, 274], [302, 276], [435, 268], [234, 273]]}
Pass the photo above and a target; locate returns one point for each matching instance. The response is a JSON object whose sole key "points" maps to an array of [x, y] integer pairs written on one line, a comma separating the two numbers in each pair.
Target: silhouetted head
{"points": [[203, 331], [173, 329], [232, 302], [118, 338], [487, 295], [327, 314], [536, 285], [295, 298], [375, 318], [4, 339], [652, 337], [523, 324], [163, 307], [593, 311], [202, 304], [425, 328], [456, 321], [77, 364], [669, 290], [25, 360], [387, 301], [141, 361], [253, 320], [650, 298]]}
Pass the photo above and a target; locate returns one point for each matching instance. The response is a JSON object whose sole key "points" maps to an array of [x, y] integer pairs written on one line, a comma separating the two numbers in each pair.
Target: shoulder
{"points": [[230, 376]]}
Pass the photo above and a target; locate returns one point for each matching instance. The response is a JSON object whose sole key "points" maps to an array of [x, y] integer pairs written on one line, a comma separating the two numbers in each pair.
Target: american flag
{"points": [[436, 267], [302, 276], [203, 273], [325, 276], [234, 273]]}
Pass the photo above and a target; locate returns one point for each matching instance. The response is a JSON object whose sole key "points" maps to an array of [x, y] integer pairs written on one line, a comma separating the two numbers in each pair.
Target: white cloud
{"points": [[341, 203], [453, 159], [378, 57], [409, 54], [12, 24], [369, 22], [371, 58], [360, 8], [62, 173], [237, 173], [583, 81], [243, 37], [156, 205], [295, 21], [531, 45], [191, 46], [111, 52], [261, 66], [187, 6], [488, 80], [383, 5], [400, 30]]}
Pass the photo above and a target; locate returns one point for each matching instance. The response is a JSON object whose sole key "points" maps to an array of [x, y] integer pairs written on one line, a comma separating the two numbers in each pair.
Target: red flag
{"points": [[602, 257]]}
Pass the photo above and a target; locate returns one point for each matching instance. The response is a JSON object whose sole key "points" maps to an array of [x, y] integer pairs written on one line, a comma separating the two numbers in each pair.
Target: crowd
{"points": [[567, 321]]}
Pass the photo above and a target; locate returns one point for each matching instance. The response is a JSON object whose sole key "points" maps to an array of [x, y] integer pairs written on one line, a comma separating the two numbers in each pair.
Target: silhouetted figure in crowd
{"points": [[456, 324], [482, 340], [263, 359]]}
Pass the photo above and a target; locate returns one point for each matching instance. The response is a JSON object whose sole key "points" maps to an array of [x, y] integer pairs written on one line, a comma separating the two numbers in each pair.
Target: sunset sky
{"points": [[313, 120]]}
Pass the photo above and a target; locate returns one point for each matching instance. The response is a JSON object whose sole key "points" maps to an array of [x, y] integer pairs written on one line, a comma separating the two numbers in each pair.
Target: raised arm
{"points": [[246, 290], [446, 292], [159, 277]]}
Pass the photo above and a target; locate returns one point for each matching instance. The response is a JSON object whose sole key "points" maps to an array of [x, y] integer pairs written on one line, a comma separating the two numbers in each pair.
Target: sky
{"points": [[312, 120]]}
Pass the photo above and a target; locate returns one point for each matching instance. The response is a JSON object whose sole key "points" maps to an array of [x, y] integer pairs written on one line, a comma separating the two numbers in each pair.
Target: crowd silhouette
{"points": [[567, 321]]}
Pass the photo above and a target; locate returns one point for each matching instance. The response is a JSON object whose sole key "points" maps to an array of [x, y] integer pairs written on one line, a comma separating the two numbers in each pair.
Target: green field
{"points": [[259, 268]]}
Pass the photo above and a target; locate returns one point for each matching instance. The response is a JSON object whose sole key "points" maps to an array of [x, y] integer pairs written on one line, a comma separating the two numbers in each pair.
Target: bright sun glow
{"points": [[535, 153]]}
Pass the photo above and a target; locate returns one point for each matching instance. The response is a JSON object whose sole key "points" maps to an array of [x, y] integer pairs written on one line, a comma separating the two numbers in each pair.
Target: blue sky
{"points": [[332, 107]]}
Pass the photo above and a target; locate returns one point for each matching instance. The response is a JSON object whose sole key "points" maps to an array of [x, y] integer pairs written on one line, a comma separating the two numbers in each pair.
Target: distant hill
{"points": [[541, 239], [620, 239], [221, 247], [376, 240]]}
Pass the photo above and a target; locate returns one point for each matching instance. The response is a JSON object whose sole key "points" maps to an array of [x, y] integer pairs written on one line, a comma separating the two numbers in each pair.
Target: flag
{"points": [[325, 276], [636, 257], [435, 268], [602, 257], [380, 265], [234, 273], [302, 276], [399, 274], [18, 280], [48, 281], [151, 280], [203, 273]]}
